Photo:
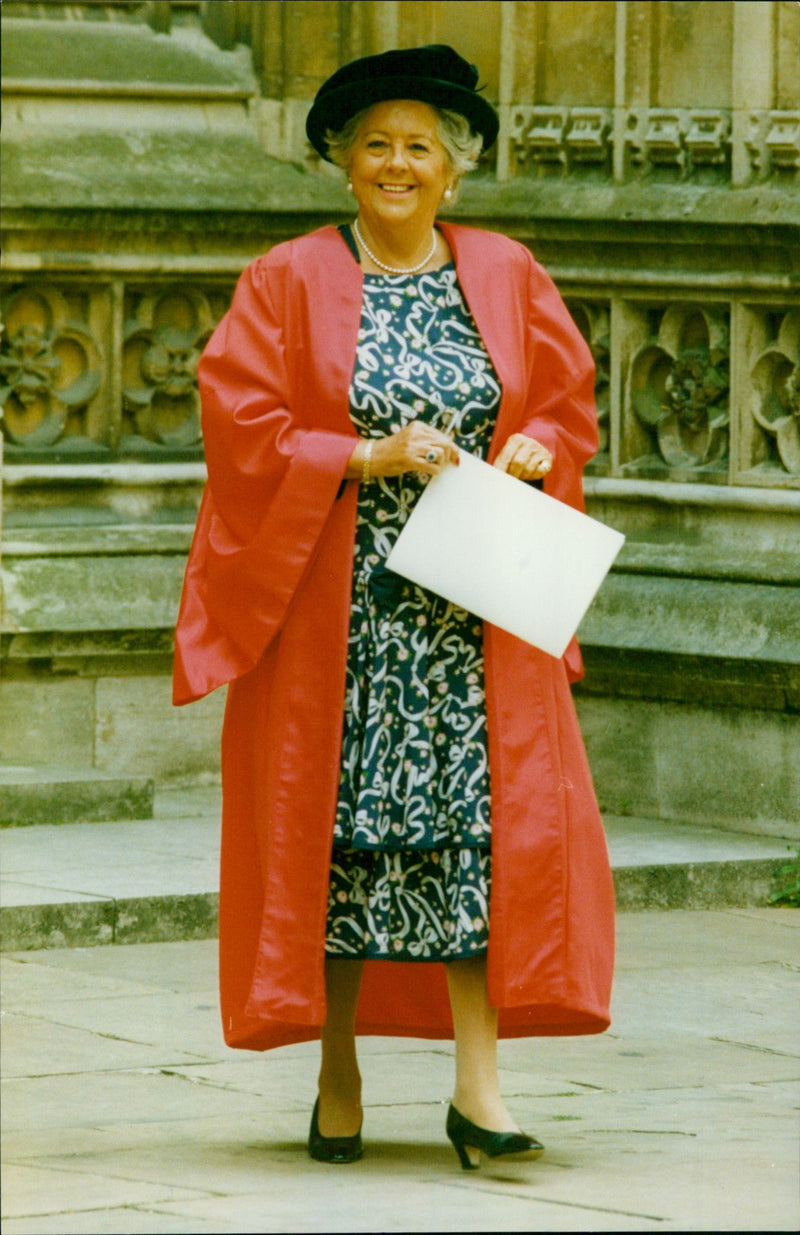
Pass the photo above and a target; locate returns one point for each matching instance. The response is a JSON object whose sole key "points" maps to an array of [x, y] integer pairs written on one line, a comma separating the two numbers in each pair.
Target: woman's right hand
{"points": [[416, 448]]}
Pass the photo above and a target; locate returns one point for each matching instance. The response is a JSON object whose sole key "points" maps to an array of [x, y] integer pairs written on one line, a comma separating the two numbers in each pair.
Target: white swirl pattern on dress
{"points": [[411, 865]]}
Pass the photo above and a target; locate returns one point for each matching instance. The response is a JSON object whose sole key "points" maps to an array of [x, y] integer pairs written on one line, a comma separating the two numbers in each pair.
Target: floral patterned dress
{"points": [[411, 862]]}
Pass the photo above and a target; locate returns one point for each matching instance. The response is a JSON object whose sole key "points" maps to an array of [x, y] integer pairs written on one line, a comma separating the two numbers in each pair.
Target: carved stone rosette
{"points": [[775, 392], [50, 368], [73, 385], [678, 387], [164, 338]]}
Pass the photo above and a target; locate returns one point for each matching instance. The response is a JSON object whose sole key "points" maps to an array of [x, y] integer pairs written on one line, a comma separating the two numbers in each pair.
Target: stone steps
{"points": [[155, 879], [37, 794]]}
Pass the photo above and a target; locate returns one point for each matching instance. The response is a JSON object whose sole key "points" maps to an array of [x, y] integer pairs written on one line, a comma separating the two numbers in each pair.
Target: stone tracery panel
{"points": [[165, 332], [773, 399], [51, 370], [678, 393], [593, 320], [73, 387]]}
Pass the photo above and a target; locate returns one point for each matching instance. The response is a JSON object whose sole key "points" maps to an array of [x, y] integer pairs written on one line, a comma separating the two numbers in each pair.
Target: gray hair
{"points": [[461, 145]]}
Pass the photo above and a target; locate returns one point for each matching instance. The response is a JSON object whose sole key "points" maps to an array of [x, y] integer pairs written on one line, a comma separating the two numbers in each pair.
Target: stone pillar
{"points": [[753, 70]]}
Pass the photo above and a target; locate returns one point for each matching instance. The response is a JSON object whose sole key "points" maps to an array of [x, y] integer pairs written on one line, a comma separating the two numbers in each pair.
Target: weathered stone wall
{"points": [[649, 154]]}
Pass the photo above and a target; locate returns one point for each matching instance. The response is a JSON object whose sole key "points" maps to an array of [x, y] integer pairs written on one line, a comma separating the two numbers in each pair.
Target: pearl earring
{"points": [[448, 193], [349, 186]]}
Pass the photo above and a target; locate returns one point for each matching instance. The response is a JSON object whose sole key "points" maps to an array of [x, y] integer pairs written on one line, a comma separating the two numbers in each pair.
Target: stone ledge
{"points": [[76, 886], [103, 475], [163, 171], [676, 493], [62, 55], [86, 654], [712, 618], [156, 919], [697, 885], [165, 918], [718, 681], [90, 592], [36, 795], [611, 671], [652, 214]]}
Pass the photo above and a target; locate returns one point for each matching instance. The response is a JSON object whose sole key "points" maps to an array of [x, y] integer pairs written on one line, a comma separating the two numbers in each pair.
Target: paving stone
{"points": [[681, 1117], [82, 1099], [663, 940], [171, 966], [53, 1189], [39, 1047], [186, 1024], [418, 1206], [130, 1220]]}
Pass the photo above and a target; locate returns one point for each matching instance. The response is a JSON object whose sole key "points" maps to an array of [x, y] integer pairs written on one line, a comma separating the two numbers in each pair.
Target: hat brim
{"points": [[335, 107]]}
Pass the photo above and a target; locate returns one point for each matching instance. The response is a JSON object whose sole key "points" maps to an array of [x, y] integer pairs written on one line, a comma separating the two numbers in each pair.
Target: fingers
{"points": [[421, 448], [429, 450], [416, 448], [524, 458], [436, 457]]}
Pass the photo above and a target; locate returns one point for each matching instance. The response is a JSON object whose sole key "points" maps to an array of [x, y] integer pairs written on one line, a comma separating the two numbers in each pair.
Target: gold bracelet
{"points": [[365, 472]]}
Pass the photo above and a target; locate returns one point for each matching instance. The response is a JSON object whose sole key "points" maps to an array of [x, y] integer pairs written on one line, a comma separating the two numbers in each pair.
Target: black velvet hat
{"points": [[435, 74]]}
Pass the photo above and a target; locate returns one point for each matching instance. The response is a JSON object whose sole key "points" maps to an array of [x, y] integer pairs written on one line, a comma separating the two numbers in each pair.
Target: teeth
{"points": [[395, 188]]}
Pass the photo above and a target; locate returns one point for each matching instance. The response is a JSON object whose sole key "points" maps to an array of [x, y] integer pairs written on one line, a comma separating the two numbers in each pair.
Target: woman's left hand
{"points": [[524, 458]]}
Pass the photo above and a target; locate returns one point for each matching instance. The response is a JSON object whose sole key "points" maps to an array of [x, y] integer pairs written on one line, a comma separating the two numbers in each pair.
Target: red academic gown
{"points": [[265, 607]]}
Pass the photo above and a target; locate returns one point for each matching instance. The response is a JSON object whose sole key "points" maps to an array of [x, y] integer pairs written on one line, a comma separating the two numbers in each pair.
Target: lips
{"points": [[398, 189]]}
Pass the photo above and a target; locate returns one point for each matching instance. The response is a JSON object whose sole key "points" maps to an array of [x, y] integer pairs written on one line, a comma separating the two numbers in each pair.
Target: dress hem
{"points": [[405, 958]]}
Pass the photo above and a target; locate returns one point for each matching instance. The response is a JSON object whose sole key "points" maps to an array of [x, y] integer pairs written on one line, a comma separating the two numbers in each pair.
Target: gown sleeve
{"points": [[273, 477], [560, 405], [560, 411]]}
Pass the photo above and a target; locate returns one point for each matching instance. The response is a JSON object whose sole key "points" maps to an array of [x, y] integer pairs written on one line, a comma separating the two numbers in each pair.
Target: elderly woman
{"points": [[411, 844]]}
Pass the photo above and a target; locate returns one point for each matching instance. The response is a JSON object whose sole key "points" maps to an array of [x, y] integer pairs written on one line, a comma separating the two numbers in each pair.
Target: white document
{"points": [[506, 552]]}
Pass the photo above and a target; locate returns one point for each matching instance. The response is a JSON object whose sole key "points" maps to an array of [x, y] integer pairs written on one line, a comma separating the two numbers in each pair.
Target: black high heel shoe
{"points": [[464, 1134], [332, 1148]]}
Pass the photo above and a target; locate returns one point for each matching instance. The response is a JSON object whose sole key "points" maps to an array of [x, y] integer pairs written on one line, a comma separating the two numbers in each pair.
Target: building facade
{"points": [[649, 155]]}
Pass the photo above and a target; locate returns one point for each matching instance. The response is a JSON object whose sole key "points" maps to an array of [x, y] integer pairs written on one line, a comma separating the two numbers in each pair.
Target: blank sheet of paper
{"points": [[506, 552]]}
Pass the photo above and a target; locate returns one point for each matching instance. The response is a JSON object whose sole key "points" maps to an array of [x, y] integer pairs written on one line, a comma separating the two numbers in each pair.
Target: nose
{"points": [[397, 155]]}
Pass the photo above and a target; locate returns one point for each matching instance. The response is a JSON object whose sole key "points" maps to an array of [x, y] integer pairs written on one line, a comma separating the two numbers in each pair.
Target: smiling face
{"points": [[399, 168]]}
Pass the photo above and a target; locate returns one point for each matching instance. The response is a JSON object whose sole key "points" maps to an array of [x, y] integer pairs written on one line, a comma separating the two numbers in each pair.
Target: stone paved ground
{"points": [[123, 1111]]}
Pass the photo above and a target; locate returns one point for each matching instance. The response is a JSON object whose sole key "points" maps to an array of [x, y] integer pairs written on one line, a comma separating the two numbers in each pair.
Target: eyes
{"points": [[378, 145]]}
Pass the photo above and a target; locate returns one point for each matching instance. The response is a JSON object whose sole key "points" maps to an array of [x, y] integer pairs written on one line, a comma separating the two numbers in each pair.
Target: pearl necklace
{"points": [[394, 269]]}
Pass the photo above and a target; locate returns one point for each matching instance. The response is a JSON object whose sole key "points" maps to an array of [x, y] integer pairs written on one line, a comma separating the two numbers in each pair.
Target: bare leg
{"points": [[477, 1092], [339, 1076]]}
